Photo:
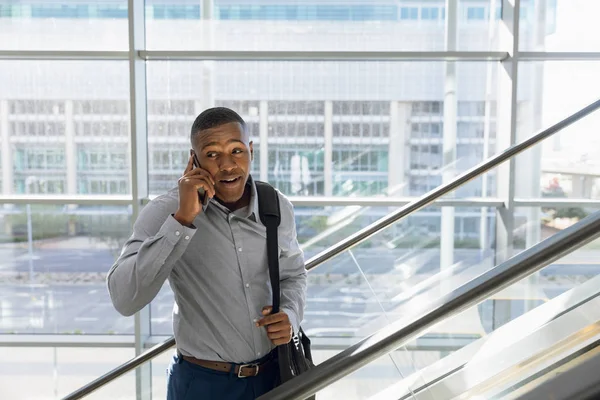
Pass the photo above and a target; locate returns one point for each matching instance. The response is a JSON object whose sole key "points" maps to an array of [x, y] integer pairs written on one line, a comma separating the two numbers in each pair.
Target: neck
{"points": [[242, 202]]}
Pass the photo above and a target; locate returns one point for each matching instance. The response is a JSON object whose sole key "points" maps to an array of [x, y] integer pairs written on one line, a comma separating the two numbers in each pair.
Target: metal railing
{"points": [[347, 243], [400, 332]]}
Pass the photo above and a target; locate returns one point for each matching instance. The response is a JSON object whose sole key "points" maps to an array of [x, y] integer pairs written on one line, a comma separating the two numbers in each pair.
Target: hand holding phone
{"points": [[201, 191], [194, 180]]}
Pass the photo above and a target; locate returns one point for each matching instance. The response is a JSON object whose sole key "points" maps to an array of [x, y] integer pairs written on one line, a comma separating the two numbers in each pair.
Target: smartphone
{"points": [[202, 197]]}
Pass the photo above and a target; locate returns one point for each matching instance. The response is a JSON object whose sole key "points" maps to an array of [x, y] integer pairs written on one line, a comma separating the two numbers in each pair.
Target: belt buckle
{"points": [[247, 366]]}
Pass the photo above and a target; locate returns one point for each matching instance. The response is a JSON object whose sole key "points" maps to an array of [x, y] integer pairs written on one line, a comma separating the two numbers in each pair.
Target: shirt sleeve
{"points": [[292, 271], [147, 258]]}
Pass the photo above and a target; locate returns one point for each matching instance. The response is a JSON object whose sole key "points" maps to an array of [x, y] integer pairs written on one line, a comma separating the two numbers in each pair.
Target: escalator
{"points": [[425, 309]]}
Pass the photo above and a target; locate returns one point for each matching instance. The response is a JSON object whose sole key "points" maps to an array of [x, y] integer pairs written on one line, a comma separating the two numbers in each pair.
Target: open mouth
{"points": [[230, 181]]}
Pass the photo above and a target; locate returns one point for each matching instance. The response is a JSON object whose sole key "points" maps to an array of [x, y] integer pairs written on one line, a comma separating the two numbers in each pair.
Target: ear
{"points": [[192, 152], [251, 151]]}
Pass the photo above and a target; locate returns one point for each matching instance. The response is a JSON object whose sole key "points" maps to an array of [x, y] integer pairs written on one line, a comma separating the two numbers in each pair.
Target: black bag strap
{"points": [[268, 208]]}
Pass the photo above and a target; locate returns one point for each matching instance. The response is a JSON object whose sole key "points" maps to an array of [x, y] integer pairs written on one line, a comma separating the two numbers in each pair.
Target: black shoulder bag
{"points": [[294, 357]]}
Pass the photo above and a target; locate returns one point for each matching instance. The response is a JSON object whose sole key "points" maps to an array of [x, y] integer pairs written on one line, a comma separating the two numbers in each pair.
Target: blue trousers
{"points": [[188, 381]]}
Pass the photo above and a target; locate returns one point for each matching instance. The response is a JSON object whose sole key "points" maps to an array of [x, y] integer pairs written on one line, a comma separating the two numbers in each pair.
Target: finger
{"points": [[202, 182], [278, 335], [208, 188], [201, 172], [267, 310], [189, 166], [279, 342], [279, 327], [271, 319]]}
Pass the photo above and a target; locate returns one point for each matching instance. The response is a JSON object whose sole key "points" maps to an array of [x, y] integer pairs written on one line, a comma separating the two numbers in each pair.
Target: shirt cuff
{"points": [[292, 317], [175, 232]]}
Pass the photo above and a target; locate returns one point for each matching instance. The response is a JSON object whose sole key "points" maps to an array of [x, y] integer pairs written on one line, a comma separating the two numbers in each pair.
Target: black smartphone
{"points": [[201, 192]]}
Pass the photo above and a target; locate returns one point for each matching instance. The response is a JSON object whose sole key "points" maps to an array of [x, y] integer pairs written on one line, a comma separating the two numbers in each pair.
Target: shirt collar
{"points": [[252, 206]]}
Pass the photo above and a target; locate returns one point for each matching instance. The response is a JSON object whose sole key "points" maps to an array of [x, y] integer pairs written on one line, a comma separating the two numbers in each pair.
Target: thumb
{"points": [[267, 310]]}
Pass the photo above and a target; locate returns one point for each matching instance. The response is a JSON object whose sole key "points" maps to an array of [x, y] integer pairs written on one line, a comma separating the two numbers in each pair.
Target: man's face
{"points": [[225, 152]]}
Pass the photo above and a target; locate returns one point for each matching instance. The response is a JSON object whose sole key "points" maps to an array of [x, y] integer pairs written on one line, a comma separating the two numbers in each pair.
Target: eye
{"points": [[237, 151], [211, 154]]}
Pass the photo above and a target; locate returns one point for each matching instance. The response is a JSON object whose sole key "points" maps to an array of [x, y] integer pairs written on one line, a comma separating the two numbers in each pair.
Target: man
{"points": [[213, 252]]}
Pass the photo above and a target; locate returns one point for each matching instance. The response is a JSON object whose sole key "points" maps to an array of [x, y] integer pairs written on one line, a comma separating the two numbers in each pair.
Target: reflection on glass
{"points": [[53, 277], [63, 25], [67, 127], [561, 166], [58, 371], [312, 137], [320, 25], [560, 25]]}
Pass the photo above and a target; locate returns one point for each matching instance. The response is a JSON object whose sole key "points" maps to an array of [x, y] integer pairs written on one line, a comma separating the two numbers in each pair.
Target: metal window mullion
{"points": [[328, 149], [21, 55], [287, 55], [297, 56], [507, 114], [449, 136], [139, 169]]}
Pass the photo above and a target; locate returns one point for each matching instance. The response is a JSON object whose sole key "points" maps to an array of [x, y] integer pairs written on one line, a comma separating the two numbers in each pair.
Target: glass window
{"points": [[297, 170], [560, 25], [296, 123], [103, 158], [244, 108], [64, 25], [360, 160], [39, 158], [297, 25], [96, 107], [431, 13], [569, 160], [296, 108], [171, 107], [60, 116], [95, 127], [28, 129], [295, 129], [426, 130], [471, 108], [409, 13], [361, 108], [426, 108], [37, 107], [170, 128], [475, 13]]}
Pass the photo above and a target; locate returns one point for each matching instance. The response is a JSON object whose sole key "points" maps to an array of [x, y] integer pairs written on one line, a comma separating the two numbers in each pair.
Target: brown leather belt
{"points": [[242, 371]]}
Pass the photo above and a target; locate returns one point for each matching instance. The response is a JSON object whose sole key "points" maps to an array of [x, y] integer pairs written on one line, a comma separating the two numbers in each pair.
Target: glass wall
{"points": [[358, 127]]}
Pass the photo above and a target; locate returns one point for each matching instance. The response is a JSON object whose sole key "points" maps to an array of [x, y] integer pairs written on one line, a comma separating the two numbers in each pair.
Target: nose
{"points": [[226, 164]]}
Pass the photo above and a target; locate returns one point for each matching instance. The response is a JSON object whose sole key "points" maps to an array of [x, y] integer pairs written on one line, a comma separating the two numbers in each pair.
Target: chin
{"points": [[230, 198]]}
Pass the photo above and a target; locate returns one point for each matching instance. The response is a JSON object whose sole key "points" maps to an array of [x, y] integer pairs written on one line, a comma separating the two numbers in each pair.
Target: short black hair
{"points": [[213, 117]]}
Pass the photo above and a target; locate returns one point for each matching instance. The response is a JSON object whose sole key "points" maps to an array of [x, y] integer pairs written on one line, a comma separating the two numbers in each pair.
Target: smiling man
{"points": [[206, 238]]}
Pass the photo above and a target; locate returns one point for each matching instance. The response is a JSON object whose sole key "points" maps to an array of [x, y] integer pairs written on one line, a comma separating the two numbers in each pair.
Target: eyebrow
{"points": [[217, 143]]}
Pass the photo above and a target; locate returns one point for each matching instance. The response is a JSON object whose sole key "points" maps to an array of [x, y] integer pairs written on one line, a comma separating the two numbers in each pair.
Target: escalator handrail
{"points": [[367, 232], [401, 332]]}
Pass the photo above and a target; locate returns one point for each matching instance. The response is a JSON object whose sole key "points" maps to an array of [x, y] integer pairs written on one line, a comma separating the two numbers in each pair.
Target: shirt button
{"points": [[187, 238], [177, 233], [258, 354], [247, 285], [239, 249]]}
